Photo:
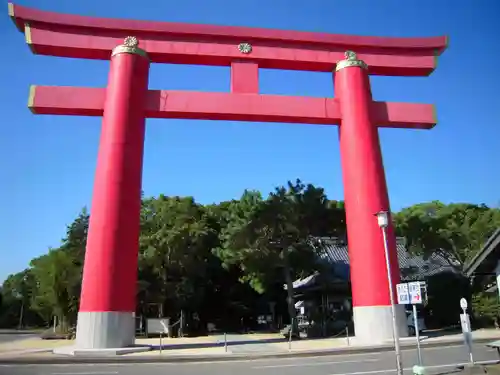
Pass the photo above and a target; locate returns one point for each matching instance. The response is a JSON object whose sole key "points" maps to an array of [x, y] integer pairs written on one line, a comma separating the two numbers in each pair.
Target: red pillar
{"points": [[365, 192], [244, 77], [107, 306]]}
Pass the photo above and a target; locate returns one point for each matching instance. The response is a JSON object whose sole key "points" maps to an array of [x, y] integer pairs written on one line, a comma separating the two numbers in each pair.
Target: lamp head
{"points": [[382, 219]]}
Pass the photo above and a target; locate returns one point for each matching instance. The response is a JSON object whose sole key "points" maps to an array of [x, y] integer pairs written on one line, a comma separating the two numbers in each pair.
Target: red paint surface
{"points": [[244, 77], [365, 191], [111, 258], [110, 270], [80, 101], [92, 45], [92, 38], [58, 21]]}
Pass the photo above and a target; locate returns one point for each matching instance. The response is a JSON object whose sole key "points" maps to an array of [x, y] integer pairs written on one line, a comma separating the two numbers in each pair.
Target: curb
{"points": [[32, 360]]}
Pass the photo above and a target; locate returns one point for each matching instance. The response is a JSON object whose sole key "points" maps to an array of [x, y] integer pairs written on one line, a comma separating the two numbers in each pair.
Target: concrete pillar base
{"points": [[105, 330], [373, 324], [109, 352]]}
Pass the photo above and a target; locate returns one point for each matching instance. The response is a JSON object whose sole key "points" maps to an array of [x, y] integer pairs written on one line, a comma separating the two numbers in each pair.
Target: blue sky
{"points": [[47, 162]]}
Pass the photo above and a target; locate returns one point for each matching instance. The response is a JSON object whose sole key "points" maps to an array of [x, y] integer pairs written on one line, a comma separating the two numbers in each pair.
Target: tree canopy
{"points": [[220, 262], [456, 231]]}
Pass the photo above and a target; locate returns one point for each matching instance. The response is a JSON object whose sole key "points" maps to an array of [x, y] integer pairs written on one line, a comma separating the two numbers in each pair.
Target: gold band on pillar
{"points": [[351, 59], [130, 45]]}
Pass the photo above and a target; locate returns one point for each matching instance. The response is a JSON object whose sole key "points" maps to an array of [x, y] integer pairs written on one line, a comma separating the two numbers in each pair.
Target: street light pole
{"points": [[383, 222]]}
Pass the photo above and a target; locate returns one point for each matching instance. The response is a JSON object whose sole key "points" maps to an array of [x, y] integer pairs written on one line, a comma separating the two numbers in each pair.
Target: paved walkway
{"points": [[250, 344]]}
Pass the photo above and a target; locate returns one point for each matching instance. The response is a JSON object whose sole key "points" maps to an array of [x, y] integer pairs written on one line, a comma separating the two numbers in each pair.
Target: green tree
{"points": [[17, 292], [486, 308], [274, 239], [237, 218], [58, 285], [75, 240], [56, 277], [174, 240], [455, 231]]}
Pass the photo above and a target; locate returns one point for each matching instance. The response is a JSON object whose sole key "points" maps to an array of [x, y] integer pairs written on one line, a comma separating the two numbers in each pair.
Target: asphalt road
{"points": [[437, 360]]}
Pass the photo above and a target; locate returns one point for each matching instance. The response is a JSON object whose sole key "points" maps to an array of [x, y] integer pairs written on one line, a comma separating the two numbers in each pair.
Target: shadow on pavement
{"points": [[218, 344], [443, 332]]}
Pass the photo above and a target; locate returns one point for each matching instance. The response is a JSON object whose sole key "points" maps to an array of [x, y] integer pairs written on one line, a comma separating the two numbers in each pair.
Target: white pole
{"points": [[290, 337], [417, 334], [466, 328], [393, 307], [225, 342]]}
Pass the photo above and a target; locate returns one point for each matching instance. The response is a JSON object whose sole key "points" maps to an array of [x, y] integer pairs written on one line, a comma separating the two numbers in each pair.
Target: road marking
{"points": [[450, 347], [217, 361], [392, 370], [412, 348], [85, 373], [199, 363], [313, 364]]}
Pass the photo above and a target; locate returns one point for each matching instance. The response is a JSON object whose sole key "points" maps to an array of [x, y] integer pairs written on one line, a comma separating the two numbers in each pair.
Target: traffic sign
{"points": [[415, 292], [463, 304], [403, 295], [466, 328]]}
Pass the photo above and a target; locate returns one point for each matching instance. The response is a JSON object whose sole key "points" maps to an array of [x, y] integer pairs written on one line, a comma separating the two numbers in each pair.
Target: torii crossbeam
{"points": [[107, 306]]}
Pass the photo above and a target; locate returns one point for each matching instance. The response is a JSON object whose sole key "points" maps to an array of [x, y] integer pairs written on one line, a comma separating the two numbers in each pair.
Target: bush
{"points": [[486, 308]]}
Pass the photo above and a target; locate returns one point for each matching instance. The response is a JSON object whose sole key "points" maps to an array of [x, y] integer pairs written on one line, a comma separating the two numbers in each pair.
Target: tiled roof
{"points": [[413, 267]]}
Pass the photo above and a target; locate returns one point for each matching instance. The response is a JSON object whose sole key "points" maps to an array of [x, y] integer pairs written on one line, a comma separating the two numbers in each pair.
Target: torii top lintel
{"points": [[66, 35]]}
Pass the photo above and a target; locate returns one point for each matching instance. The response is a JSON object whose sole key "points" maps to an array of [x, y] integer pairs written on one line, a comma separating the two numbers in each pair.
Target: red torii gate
{"points": [[107, 306]]}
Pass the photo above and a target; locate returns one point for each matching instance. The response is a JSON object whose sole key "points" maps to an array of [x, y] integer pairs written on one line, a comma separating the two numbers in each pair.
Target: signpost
{"points": [[466, 328], [414, 293], [158, 326], [403, 294]]}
